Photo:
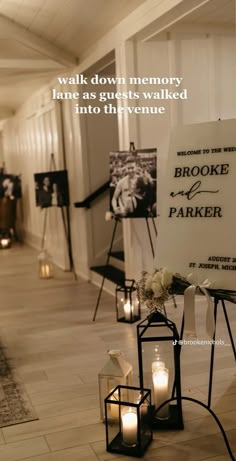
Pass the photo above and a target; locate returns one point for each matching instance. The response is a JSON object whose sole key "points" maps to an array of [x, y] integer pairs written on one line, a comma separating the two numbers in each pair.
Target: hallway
{"points": [[57, 352]]}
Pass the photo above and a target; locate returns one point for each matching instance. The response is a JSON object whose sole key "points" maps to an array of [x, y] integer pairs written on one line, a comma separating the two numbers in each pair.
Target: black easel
{"points": [[65, 222], [150, 236], [108, 259], [210, 382], [208, 405], [190, 399], [117, 219]]}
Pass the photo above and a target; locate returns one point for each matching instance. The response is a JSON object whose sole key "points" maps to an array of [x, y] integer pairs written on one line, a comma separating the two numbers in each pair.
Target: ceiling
{"points": [[193, 18], [221, 12], [40, 37]]}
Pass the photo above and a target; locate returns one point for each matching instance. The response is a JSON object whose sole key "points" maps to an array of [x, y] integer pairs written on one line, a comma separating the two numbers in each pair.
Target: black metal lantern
{"points": [[130, 433], [127, 302], [159, 368]]}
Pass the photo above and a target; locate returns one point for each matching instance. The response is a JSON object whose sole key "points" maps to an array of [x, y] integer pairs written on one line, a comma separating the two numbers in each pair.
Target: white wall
{"points": [[101, 138], [29, 139], [207, 64]]}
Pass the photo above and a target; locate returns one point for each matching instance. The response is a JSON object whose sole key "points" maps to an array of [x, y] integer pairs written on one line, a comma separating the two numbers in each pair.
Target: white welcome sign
{"points": [[197, 230]]}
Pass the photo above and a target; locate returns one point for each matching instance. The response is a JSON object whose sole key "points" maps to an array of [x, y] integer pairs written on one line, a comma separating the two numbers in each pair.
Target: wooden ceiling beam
{"points": [[170, 18], [30, 64], [10, 29]]}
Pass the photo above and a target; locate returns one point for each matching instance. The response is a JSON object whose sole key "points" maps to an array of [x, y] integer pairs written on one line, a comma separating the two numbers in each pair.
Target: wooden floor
{"points": [[58, 351]]}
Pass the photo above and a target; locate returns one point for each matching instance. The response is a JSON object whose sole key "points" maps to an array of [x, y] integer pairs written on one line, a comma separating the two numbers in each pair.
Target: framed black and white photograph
{"points": [[51, 189], [133, 183], [10, 186]]}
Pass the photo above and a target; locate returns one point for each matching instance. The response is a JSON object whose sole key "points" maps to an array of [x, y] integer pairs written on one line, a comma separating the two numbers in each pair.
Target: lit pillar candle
{"points": [[4, 243], [157, 364], [45, 270], [160, 384], [129, 422], [127, 310]]}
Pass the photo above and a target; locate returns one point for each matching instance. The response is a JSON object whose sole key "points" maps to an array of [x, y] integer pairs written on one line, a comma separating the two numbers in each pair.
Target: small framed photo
{"points": [[133, 183], [51, 189], [10, 186]]}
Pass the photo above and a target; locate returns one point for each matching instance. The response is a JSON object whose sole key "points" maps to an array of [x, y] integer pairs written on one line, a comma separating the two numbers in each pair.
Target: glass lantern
{"points": [[127, 302], [45, 265], [159, 369], [117, 371], [131, 433], [5, 240]]}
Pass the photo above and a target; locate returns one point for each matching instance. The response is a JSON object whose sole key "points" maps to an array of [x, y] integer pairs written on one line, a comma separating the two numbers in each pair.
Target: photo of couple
{"points": [[51, 189], [10, 186], [133, 183]]}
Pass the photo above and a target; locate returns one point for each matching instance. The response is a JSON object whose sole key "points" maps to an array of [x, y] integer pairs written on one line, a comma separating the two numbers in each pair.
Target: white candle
{"points": [[160, 383], [128, 310], [129, 427], [45, 270], [4, 243], [157, 364]]}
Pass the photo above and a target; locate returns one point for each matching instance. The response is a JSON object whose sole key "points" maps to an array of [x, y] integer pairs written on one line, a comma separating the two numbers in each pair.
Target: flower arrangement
{"points": [[154, 288], [157, 287]]}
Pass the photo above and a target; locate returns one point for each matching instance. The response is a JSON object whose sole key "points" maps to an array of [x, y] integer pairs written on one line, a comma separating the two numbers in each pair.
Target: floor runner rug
{"points": [[15, 406]]}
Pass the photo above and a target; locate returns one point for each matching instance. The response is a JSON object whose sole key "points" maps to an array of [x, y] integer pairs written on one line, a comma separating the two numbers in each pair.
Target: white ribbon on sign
{"points": [[189, 309]]}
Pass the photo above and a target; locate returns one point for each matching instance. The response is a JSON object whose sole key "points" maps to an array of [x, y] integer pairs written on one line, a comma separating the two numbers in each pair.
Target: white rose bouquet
{"points": [[157, 287], [154, 288]]}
